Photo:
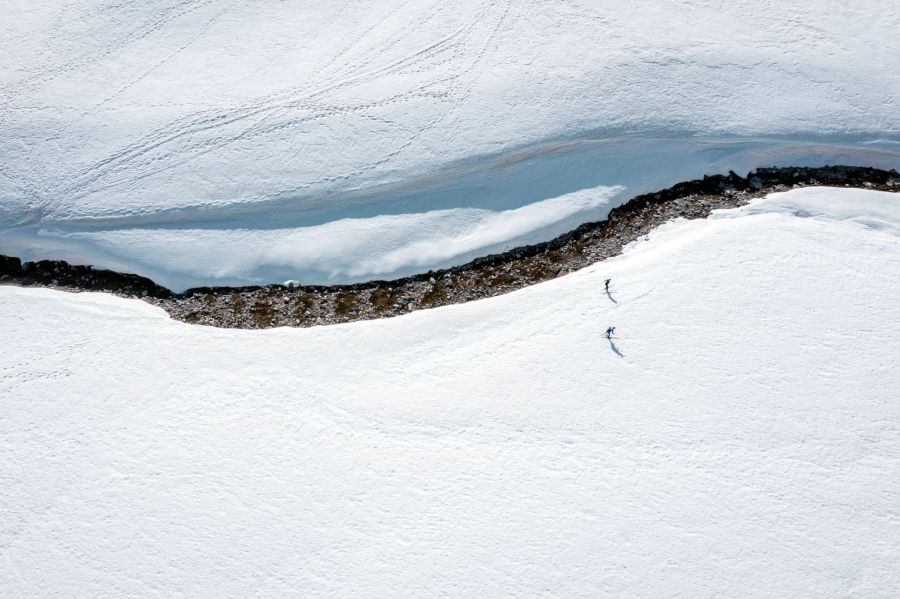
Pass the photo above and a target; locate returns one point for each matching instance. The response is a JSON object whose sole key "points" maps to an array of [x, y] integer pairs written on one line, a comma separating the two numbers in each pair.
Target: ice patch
{"points": [[348, 249]]}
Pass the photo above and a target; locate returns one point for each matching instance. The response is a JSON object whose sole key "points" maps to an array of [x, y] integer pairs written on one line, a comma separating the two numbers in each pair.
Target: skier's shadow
{"points": [[615, 348], [611, 298]]}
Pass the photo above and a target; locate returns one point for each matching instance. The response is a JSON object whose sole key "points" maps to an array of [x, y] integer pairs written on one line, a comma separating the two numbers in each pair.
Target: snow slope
{"points": [[230, 141], [740, 438]]}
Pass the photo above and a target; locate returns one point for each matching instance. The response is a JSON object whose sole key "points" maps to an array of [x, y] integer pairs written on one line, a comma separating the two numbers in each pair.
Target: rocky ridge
{"points": [[301, 305]]}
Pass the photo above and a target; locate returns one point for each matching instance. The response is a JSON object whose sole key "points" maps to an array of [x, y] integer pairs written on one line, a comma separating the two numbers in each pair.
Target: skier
{"points": [[607, 285], [610, 331]]}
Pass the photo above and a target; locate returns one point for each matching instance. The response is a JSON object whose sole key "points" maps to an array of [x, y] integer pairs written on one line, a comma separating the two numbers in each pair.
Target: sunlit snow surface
{"points": [[740, 437], [229, 141]]}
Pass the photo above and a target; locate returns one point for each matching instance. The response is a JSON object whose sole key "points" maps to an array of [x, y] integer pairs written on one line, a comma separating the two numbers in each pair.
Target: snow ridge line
{"points": [[306, 305]]}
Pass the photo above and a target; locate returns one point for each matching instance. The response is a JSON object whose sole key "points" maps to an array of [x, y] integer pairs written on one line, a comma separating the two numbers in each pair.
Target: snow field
{"points": [[745, 442]]}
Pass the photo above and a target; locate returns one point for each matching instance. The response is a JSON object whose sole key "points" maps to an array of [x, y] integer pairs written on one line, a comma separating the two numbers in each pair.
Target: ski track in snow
{"points": [[125, 128], [740, 438]]}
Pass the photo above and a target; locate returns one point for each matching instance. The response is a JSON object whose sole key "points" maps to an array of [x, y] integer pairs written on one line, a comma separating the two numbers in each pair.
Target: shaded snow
{"points": [[125, 127], [746, 442]]}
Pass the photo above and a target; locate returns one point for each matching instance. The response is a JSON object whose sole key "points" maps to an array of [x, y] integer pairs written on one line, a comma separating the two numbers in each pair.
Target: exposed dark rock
{"points": [[56, 273], [10, 267]]}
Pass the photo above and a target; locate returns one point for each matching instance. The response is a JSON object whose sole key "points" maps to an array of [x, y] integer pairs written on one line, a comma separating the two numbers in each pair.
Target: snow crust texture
{"points": [[229, 141], [739, 437]]}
